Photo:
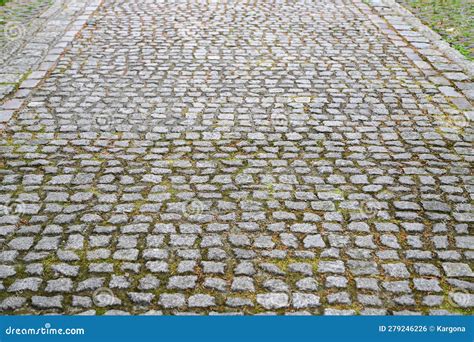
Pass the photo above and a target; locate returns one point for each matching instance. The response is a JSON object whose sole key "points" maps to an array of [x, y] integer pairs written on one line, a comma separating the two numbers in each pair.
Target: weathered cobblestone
{"points": [[285, 157]]}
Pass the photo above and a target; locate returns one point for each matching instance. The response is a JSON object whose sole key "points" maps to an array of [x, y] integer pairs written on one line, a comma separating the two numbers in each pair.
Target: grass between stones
{"points": [[452, 19]]}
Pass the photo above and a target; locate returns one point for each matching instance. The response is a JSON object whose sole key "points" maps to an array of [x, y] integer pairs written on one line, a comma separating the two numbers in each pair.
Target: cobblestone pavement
{"points": [[18, 19], [286, 157], [29, 29]]}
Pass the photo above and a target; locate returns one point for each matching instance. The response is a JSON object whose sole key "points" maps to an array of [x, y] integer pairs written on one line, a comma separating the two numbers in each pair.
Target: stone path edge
{"points": [[436, 39], [17, 99], [456, 94]]}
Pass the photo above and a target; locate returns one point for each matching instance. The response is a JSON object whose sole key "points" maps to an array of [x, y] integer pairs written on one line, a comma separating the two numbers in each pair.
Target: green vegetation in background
{"points": [[452, 19], [2, 2]]}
